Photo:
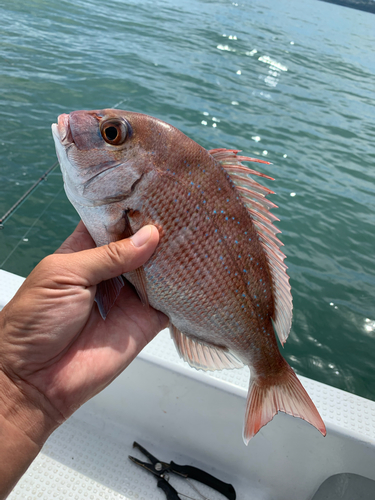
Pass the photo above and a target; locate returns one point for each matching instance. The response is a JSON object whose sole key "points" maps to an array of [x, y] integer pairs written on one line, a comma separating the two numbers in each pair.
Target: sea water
{"points": [[287, 81]]}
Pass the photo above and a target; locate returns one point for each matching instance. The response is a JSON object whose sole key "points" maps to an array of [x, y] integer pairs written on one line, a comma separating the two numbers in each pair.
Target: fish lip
{"points": [[62, 130]]}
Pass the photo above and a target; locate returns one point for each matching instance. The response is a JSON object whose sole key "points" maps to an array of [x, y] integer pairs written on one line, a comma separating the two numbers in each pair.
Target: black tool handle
{"points": [[169, 491], [204, 477]]}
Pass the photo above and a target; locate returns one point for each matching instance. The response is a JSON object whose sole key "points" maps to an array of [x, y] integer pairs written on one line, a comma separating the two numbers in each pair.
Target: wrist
{"points": [[26, 421], [27, 410], [22, 405]]}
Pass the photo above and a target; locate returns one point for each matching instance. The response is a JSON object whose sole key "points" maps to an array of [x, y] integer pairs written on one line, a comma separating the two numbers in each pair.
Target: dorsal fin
{"points": [[203, 356], [253, 195]]}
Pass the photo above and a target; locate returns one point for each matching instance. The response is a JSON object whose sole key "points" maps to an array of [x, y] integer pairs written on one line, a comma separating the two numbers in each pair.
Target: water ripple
{"points": [[285, 80]]}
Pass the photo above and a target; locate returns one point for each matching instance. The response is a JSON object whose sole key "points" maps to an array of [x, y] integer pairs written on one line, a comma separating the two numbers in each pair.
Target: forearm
{"points": [[26, 421], [56, 351], [17, 453]]}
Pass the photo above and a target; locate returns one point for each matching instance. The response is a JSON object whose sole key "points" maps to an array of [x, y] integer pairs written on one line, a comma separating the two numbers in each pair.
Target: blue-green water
{"points": [[286, 80]]}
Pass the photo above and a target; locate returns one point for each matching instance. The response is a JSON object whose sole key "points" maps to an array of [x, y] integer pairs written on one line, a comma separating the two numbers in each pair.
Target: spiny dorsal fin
{"points": [[202, 356], [253, 195]]}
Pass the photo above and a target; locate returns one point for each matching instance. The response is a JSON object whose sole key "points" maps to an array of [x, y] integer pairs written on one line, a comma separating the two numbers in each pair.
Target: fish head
{"points": [[110, 160], [104, 153]]}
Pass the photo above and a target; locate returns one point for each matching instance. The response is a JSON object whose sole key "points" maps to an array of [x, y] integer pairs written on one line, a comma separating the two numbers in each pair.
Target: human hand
{"points": [[55, 348]]}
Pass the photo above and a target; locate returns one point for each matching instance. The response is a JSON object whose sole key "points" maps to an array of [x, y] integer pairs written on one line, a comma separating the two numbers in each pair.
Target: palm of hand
{"points": [[60, 345]]}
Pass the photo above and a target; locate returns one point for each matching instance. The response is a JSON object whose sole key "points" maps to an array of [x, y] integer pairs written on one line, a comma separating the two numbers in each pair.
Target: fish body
{"points": [[217, 273]]}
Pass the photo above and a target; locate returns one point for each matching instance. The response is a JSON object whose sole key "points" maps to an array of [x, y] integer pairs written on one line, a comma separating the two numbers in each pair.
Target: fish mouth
{"points": [[62, 130]]}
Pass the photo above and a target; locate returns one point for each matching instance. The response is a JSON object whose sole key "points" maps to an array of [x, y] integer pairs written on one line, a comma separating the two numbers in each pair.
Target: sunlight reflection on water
{"points": [[289, 81]]}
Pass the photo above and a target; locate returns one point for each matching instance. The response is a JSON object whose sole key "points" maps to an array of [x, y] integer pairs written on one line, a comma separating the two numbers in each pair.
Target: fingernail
{"points": [[141, 237]]}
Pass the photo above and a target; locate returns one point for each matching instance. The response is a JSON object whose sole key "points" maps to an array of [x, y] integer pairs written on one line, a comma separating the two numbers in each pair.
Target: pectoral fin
{"points": [[107, 293], [139, 283], [138, 277]]}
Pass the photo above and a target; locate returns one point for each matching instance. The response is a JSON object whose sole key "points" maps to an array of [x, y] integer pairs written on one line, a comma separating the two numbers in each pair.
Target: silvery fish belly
{"points": [[218, 272]]}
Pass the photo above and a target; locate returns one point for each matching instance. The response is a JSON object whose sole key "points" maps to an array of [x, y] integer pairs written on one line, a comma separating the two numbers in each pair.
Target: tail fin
{"points": [[267, 397]]}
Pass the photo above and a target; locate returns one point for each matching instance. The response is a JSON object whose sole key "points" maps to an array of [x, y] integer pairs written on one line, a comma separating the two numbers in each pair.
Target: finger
{"points": [[79, 240], [109, 261]]}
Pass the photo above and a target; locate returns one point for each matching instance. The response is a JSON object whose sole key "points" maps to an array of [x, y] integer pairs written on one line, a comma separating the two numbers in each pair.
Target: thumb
{"points": [[109, 261]]}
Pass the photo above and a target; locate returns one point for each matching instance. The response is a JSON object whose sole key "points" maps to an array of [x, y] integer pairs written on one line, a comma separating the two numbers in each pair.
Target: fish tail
{"points": [[282, 393]]}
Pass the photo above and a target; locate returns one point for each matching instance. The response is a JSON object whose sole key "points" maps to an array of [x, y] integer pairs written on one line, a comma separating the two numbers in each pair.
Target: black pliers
{"points": [[160, 469]]}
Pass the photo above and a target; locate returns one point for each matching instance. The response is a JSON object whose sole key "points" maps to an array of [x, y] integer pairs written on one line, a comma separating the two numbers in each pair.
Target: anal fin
{"points": [[203, 356]]}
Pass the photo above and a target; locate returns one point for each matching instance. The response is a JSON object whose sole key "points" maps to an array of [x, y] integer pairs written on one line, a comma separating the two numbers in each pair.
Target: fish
{"points": [[218, 272]]}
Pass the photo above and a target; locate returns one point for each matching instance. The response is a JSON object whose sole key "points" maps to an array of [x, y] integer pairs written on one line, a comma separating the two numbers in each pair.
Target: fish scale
{"points": [[209, 287], [217, 273]]}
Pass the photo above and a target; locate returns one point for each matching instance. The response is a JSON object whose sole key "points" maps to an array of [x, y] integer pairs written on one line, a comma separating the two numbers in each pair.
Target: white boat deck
{"points": [[195, 418]]}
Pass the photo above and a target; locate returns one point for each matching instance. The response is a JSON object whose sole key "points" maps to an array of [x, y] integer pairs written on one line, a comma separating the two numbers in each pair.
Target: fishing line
{"points": [[120, 102], [192, 485], [36, 184], [186, 496], [190, 498], [26, 195], [30, 228]]}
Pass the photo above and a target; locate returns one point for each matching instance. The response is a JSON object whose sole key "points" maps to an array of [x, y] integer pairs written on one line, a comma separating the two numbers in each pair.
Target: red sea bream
{"points": [[217, 273]]}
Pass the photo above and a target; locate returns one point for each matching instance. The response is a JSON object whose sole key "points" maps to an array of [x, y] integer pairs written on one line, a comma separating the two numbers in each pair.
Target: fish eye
{"points": [[114, 131]]}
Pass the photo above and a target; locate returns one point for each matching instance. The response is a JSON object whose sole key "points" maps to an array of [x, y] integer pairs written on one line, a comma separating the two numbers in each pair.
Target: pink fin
{"points": [[253, 196], [229, 157], [107, 293], [203, 356], [138, 277], [139, 282], [268, 396]]}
